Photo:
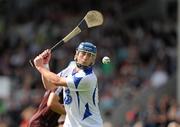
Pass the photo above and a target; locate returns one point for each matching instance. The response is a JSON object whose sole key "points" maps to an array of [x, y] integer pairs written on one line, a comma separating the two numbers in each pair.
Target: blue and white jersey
{"points": [[81, 98]]}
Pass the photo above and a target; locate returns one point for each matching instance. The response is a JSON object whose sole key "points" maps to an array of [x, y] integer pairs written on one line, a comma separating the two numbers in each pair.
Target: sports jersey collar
{"points": [[86, 69]]}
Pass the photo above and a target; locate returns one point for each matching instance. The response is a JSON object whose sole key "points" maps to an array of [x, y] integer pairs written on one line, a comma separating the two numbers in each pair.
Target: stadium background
{"points": [[138, 88]]}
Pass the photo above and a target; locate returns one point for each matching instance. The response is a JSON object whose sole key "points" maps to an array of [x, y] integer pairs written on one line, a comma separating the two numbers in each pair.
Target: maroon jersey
{"points": [[44, 116]]}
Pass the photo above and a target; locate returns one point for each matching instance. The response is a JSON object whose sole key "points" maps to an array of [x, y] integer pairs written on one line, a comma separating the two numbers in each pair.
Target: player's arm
{"points": [[52, 77], [49, 78], [46, 83], [54, 104]]}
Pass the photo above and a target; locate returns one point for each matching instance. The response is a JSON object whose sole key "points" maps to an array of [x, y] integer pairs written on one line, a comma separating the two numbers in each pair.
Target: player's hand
{"points": [[38, 61], [46, 55]]}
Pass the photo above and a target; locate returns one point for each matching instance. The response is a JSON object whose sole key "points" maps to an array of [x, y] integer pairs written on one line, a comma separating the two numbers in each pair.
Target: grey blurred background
{"points": [[137, 89]]}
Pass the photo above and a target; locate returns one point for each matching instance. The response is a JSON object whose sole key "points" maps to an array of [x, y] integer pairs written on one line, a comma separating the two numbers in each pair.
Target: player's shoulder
{"points": [[90, 77], [68, 69], [72, 64]]}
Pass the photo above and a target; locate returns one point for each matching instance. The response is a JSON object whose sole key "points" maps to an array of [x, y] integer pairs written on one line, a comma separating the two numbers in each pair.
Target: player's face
{"points": [[85, 58]]}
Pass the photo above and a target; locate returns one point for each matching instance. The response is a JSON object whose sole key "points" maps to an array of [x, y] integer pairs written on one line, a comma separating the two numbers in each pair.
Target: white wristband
{"points": [[46, 66]]}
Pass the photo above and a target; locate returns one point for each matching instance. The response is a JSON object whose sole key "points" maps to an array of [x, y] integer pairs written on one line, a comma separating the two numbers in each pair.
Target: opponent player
{"points": [[80, 86], [49, 110]]}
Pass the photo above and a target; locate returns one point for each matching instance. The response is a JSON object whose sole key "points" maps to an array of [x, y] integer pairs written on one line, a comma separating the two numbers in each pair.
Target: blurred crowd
{"points": [[142, 52]]}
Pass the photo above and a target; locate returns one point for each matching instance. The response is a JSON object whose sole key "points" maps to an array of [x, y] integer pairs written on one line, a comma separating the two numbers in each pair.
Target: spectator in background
{"points": [[173, 124], [159, 76], [26, 114], [174, 112], [150, 114]]}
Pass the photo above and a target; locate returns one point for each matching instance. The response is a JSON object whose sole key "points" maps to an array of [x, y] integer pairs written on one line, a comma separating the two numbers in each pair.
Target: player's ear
{"points": [[93, 60]]}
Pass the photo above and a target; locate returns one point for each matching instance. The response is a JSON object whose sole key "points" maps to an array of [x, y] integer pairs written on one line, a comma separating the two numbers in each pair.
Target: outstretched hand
{"points": [[42, 58], [46, 56]]}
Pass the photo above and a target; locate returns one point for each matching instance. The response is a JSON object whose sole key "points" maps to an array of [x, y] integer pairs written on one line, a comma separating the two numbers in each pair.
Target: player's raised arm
{"points": [[50, 79], [46, 58]]}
